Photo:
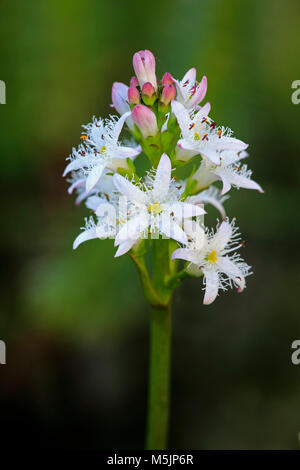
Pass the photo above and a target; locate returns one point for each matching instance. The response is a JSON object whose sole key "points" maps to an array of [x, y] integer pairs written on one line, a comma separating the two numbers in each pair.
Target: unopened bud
{"points": [[168, 94], [148, 94], [167, 79], [144, 67], [133, 95], [134, 81], [145, 119]]}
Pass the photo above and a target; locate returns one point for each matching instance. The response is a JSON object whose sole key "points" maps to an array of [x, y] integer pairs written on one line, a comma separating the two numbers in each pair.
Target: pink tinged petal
{"points": [[190, 76], [172, 230], [199, 93], [128, 189], [211, 286], [139, 68], [124, 247], [84, 236], [222, 236], [80, 198], [134, 81], [148, 90], [144, 67], [132, 230], [163, 176], [119, 97], [133, 95], [187, 255], [145, 119], [77, 184], [150, 67], [167, 79], [229, 268], [93, 178], [168, 94]]}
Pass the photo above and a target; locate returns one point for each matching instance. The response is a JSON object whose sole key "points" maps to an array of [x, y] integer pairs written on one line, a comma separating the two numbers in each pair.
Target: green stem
{"points": [[160, 350], [159, 378]]}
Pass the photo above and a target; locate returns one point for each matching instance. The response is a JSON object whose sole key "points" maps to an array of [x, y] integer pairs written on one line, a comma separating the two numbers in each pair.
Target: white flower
{"points": [[155, 205], [190, 92], [230, 172], [200, 135], [104, 186], [210, 196], [212, 256], [102, 150], [106, 225]]}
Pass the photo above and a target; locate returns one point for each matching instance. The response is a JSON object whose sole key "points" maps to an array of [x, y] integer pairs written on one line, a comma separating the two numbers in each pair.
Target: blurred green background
{"points": [[75, 323]]}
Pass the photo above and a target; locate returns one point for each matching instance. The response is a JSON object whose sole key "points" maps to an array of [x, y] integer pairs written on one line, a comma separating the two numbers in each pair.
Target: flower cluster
{"points": [[171, 126]]}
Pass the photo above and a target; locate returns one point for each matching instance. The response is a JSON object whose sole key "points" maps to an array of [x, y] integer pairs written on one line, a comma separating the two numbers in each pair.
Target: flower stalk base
{"points": [[159, 378]]}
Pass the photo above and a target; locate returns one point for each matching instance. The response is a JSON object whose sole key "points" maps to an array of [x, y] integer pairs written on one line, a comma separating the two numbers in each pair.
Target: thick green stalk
{"points": [[160, 350], [159, 378]]}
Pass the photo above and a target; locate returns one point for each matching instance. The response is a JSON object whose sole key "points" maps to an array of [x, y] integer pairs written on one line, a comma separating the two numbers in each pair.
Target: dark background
{"points": [[75, 323]]}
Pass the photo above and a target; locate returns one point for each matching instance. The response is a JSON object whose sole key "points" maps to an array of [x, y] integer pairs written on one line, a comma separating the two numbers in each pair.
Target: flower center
{"points": [[103, 149], [212, 257], [155, 208], [197, 136]]}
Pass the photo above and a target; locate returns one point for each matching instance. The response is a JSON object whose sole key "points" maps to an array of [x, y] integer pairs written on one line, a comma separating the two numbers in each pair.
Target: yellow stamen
{"points": [[155, 208], [197, 136], [212, 257], [83, 137], [103, 149]]}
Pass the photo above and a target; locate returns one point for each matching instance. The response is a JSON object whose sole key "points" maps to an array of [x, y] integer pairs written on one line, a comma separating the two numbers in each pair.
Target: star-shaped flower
{"points": [[190, 92], [211, 255], [230, 172], [101, 150], [154, 206], [200, 135]]}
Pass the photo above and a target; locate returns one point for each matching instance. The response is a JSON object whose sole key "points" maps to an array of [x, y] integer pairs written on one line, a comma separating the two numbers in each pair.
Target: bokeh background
{"points": [[75, 323]]}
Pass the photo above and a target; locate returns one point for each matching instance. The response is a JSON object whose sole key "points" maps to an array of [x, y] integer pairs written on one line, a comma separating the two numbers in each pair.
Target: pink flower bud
{"points": [[134, 81], [133, 95], [168, 94], [119, 97], [167, 79], [148, 89], [144, 67], [148, 94], [145, 119]]}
